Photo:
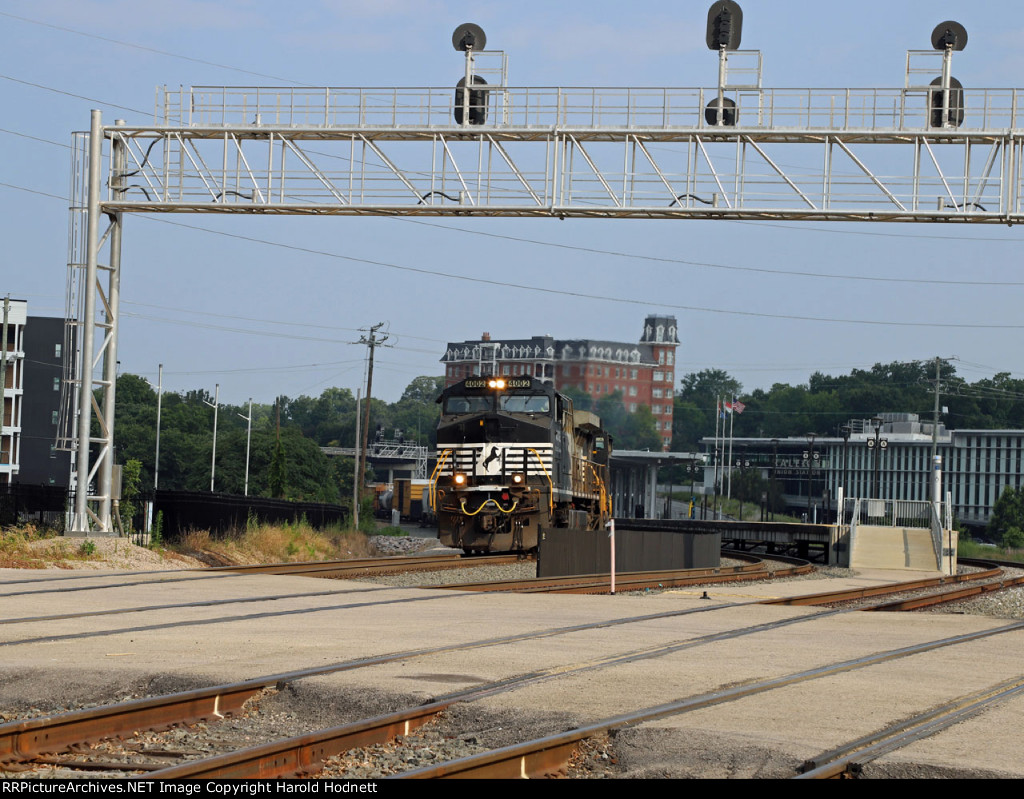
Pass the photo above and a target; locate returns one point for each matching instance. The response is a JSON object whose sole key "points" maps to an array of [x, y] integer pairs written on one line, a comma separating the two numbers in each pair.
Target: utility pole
{"points": [[372, 342], [216, 406], [355, 471], [935, 430]]}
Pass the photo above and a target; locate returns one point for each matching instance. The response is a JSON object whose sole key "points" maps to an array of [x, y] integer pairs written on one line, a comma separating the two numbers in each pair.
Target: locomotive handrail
{"points": [[483, 504], [551, 485], [606, 504], [434, 475]]}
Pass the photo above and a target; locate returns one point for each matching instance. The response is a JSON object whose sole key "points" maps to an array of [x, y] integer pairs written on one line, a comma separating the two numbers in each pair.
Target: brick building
{"points": [[643, 371]]}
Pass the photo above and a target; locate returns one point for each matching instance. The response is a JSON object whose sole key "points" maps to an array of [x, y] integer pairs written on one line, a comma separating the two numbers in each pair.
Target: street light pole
{"points": [[810, 461], [877, 444], [248, 441], [771, 483], [845, 430]]}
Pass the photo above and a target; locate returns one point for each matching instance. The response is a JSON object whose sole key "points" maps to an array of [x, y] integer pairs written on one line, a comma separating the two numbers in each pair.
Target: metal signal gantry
{"points": [[931, 151]]}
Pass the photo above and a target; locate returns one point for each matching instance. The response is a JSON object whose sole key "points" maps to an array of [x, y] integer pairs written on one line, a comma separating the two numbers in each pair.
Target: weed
{"points": [[156, 536], [87, 549]]}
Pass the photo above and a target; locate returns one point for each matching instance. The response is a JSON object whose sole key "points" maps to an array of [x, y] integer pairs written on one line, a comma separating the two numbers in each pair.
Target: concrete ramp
{"points": [[893, 548]]}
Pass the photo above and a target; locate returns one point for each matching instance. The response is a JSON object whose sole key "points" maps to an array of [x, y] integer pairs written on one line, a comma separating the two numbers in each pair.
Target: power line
{"points": [[147, 49], [587, 296], [72, 94], [712, 265]]}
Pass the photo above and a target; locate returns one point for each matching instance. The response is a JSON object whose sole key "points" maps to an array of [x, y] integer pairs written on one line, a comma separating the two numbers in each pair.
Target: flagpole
{"points": [[729, 410], [714, 485]]}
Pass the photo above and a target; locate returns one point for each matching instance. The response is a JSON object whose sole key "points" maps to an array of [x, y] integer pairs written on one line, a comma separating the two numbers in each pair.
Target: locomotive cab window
{"points": [[525, 403], [480, 404]]}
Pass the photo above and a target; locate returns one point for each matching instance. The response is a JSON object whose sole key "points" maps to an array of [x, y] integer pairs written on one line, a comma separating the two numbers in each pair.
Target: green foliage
{"points": [[827, 402], [278, 472], [87, 548], [392, 531], [156, 535], [1013, 538], [628, 430], [367, 524], [131, 481], [1007, 514]]}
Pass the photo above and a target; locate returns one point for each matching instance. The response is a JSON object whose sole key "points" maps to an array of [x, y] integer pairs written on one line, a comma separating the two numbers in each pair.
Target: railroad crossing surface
{"points": [[661, 647]]}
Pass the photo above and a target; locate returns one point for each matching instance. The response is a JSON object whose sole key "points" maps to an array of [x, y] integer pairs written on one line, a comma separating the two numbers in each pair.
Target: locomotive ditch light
{"points": [[518, 479], [459, 479]]}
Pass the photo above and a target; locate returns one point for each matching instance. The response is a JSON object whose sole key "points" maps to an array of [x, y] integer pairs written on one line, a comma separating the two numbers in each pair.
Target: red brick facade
{"points": [[644, 372]]}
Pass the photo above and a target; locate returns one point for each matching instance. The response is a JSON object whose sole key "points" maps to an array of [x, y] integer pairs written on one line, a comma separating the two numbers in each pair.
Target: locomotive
{"points": [[513, 456]]}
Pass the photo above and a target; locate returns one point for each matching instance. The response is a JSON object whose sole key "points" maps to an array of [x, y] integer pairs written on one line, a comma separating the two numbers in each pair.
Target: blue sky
{"points": [[194, 300]]}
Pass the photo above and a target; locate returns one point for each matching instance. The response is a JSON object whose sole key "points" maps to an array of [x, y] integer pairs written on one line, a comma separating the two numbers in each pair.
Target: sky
{"points": [[254, 314]]}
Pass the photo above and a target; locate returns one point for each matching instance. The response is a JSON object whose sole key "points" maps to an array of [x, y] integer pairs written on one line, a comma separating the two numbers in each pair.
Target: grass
{"points": [[29, 547], [21, 548], [969, 548], [265, 543]]}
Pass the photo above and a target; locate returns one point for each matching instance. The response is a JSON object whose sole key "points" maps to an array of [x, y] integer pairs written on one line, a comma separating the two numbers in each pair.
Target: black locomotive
{"points": [[514, 456]]}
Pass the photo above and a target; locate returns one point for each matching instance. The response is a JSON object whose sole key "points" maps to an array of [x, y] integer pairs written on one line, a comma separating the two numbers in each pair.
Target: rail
{"points": [[584, 108]]}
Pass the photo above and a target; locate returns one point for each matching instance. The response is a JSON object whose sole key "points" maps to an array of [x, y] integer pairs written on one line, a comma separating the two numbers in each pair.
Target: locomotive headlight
{"points": [[518, 479], [459, 478], [496, 383]]}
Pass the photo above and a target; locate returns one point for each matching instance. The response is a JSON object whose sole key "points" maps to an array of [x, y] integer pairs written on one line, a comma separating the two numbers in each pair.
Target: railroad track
{"points": [[635, 581], [848, 760], [366, 567], [28, 741]]}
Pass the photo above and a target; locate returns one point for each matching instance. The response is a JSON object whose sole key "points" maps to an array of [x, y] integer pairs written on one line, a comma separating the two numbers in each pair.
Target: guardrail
{"points": [[852, 109]]}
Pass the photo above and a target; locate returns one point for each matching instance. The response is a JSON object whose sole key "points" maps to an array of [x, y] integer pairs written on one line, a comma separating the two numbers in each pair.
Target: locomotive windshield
{"points": [[524, 403], [469, 404]]}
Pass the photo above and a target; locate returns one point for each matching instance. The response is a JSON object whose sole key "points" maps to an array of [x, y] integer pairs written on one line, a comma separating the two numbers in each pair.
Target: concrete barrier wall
{"points": [[564, 552]]}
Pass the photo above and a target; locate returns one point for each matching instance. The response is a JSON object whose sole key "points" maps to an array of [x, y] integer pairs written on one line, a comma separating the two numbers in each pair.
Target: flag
{"points": [[738, 406], [727, 408]]}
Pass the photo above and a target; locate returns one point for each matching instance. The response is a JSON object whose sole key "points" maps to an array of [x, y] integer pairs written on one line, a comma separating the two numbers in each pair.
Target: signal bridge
{"points": [[931, 151]]}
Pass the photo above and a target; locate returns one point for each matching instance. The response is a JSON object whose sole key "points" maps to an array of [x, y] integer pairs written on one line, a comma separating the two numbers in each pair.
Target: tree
{"points": [[130, 481], [1013, 538], [1007, 514]]}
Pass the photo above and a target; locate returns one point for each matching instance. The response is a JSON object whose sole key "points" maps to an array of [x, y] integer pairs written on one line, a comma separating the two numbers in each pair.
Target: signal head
{"points": [[725, 25], [949, 34], [469, 36]]}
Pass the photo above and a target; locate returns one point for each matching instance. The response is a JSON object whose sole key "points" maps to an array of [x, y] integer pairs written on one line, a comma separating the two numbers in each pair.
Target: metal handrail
{"points": [[433, 478], [636, 108]]}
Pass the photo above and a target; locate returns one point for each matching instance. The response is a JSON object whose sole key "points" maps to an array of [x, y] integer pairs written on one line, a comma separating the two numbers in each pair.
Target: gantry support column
{"points": [[97, 519]]}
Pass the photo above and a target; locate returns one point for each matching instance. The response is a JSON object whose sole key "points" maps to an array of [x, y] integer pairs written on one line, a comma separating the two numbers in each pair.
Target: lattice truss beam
{"points": [[740, 175]]}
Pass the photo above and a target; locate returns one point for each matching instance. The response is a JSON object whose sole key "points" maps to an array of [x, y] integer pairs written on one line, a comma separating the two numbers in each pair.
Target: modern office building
{"points": [[887, 457], [31, 403], [644, 371], [14, 313]]}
